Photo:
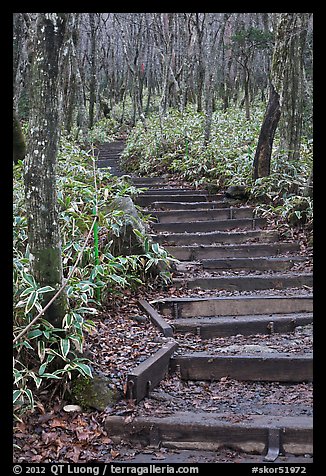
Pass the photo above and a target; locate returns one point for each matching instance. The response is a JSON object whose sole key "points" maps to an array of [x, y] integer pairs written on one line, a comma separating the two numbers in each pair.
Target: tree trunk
{"points": [[208, 108], [246, 94], [263, 153], [40, 164], [92, 85], [291, 118], [19, 146], [262, 159]]}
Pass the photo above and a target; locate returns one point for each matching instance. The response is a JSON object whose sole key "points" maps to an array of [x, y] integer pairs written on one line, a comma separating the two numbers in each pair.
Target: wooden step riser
{"points": [[195, 206], [239, 306], [112, 170], [197, 431], [258, 368], [203, 215], [147, 375], [219, 237], [109, 162], [208, 226], [148, 180], [252, 264], [188, 253], [246, 283], [146, 199], [246, 325], [166, 192]]}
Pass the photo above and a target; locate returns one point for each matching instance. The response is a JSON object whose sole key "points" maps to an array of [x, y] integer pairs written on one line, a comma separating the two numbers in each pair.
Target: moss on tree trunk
{"points": [[19, 145]]}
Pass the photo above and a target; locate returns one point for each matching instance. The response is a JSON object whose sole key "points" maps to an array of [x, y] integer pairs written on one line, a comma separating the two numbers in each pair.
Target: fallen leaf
{"points": [[106, 440], [57, 423], [129, 419], [114, 453], [48, 437], [74, 454], [45, 418], [158, 456]]}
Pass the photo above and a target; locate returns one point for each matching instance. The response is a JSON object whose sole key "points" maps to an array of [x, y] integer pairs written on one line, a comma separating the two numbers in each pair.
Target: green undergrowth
{"points": [[175, 146], [46, 355]]}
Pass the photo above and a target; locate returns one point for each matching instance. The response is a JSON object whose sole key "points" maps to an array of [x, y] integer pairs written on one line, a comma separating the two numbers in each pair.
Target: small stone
{"points": [[139, 319], [94, 392], [236, 192], [72, 408]]}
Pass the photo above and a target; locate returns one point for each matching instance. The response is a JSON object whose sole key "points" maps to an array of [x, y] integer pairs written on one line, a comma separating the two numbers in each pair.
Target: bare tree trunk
{"points": [[40, 164], [24, 32], [208, 108], [210, 72], [200, 29], [246, 93], [291, 118], [92, 85]]}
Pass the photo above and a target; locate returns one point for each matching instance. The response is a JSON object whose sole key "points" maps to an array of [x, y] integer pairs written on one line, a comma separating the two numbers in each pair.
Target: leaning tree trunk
{"points": [[40, 164], [263, 153], [262, 159]]}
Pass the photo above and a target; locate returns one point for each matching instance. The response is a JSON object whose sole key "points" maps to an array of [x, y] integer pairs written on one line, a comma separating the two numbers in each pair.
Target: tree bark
{"points": [[291, 118], [92, 85], [19, 145], [263, 153], [262, 159], [40, 164]]}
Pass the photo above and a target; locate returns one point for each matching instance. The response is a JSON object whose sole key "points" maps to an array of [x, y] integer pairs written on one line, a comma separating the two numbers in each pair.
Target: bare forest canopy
{"points": [[153, 61]]}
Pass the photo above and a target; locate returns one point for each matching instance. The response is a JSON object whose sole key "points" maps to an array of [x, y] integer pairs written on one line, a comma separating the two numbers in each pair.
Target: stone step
{"points": [[211, 431], [211, 225], [184, 216], [209, 327], [247, 282], [188, 307], [259, 264], [193, 253], [262, 367], [216, 237]]}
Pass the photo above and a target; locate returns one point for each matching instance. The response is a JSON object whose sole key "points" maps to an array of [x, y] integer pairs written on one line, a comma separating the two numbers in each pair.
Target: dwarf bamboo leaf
{"points": [[65, 347], [15, 395], [31, 301], [85, 369]]}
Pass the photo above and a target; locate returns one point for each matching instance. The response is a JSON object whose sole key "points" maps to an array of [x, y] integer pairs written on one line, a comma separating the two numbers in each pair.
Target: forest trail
{"points": [[239, 340]]}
